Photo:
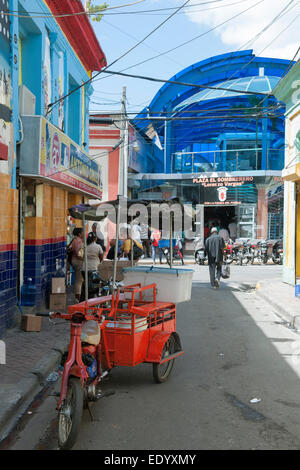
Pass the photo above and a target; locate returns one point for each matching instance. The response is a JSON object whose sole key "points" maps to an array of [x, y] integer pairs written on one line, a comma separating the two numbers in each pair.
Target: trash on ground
{"points": [[255, 400], [52, 377]]}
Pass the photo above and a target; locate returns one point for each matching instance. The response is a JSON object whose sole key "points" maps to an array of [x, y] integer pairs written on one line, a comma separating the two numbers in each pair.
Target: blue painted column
{"points": [[168, 148], [54, 54], [14, 61]]}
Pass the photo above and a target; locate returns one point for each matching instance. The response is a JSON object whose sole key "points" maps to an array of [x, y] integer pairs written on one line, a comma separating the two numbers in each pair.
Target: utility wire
{"points": [[107, 153], [192, 85], [118, 59], [67, 15], [103, 12], [278, 16], [190, 40], [211, 110]]}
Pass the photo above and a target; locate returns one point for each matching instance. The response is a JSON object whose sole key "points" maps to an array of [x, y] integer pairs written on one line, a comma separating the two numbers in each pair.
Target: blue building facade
{"points": [[223, 140], [44, 164]]}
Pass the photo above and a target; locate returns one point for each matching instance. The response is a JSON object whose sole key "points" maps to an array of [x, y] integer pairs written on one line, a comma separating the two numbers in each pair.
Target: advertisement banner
{"points": [[64, 161], [6, 129]]}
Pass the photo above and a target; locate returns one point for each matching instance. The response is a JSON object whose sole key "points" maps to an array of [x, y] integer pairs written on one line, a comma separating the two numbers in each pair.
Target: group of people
{"points": [[95, 254], [227, 232], [145, 242], [139, 239]]}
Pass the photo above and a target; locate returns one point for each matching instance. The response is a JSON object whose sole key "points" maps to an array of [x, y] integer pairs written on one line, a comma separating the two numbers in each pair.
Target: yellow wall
{"points": [[298, 235], [8, 211], [53, 222]]}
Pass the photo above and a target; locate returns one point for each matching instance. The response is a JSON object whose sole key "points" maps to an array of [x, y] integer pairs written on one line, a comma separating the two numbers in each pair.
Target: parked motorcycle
{"points": [[199, 251], [229, 254], [177, 255], [252, 251], [244, 255], [277, 252], [97, 287], [263, 251], [94, 281]]}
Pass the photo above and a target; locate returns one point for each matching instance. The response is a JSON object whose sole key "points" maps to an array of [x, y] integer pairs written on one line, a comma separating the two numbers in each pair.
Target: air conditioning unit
{"points": [[26, 101]]}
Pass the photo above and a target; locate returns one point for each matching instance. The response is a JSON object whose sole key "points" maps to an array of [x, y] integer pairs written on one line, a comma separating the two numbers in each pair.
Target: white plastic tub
{"points": [[173, 285]]}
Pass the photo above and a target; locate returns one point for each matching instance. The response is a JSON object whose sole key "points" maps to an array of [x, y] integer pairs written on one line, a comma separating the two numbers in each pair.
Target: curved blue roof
{"points": [[196, 118], [213, 71], [260, 84]]}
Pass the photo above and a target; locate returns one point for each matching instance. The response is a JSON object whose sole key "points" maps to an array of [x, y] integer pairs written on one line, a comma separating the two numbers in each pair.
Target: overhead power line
{"points": [[193, 85], [31, 14], [119, 58], [34, 14], [190, 40]]}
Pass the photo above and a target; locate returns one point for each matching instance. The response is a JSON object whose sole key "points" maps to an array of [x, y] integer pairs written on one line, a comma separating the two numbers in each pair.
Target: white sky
{"points": [[249, 24]]}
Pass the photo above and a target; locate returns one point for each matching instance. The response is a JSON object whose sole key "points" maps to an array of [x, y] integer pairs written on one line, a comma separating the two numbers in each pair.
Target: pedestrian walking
{"points": [[145, 232], [77, 248], [94, 255], [155, 237], [214, 246]]}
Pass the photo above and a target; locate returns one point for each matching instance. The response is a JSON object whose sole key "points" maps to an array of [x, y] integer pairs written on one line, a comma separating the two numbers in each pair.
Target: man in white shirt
{"points": [[136, 232], [224, 234], [233, 229]]}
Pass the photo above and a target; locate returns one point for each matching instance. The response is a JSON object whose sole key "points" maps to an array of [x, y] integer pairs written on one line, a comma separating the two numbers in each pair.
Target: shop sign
{"points": [[64, 161], [227, 181], [217, 190]]}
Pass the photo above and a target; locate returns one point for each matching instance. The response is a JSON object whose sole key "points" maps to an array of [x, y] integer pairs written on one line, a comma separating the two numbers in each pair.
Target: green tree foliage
{"points": [[95, 10]]}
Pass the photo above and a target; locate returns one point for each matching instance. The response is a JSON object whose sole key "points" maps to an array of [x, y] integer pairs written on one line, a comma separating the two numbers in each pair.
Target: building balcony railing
{"points": [[227, 160]]}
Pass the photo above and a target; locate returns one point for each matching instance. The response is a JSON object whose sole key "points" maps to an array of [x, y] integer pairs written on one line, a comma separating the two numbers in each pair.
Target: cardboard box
{"points": [[57, 302], [58, 285], [31, 323]]}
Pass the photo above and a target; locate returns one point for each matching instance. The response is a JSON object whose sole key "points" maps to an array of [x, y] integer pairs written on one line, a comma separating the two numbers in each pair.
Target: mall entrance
{"points": [[244, 215]]}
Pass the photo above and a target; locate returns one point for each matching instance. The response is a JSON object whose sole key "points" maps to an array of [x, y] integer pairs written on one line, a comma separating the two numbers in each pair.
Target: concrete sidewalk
{"points": [[282, 298], [30, 358]]}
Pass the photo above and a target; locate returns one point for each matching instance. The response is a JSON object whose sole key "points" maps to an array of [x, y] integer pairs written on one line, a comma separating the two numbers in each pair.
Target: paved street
{"points": [[236, 349]]}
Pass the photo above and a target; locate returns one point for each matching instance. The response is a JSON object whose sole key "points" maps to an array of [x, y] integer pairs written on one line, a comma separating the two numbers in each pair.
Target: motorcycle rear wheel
{"points": [[161, 372], [70, 415]]}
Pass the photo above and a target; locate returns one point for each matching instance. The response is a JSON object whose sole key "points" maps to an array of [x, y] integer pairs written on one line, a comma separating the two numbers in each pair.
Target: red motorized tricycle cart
{"points": [[126, 328]]}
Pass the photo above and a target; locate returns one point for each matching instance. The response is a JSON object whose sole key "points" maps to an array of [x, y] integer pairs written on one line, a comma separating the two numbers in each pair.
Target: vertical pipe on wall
{"points": [[165, 146]]}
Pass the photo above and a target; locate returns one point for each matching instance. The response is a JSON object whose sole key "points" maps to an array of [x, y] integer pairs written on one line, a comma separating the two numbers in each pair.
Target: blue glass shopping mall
{"points": [[218, 134]]}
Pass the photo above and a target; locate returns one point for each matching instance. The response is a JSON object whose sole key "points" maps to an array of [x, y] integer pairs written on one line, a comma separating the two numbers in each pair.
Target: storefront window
{"points": [[256, 201]]}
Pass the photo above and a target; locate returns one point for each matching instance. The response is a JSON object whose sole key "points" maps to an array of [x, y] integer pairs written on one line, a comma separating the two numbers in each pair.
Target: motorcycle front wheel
{"points": [[199, 260], [70, 415]]}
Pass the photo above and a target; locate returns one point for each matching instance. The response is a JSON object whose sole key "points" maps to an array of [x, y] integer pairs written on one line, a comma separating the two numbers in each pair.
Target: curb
{"points": [[15, 399], [292, 319]]}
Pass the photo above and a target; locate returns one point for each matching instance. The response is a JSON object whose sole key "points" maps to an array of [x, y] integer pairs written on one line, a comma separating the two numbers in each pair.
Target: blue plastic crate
{"points": [[166, 243], [297, 290]]}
